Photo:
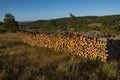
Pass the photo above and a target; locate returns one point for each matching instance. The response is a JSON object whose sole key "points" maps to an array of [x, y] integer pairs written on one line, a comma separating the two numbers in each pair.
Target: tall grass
{"points": [[19, 61]]}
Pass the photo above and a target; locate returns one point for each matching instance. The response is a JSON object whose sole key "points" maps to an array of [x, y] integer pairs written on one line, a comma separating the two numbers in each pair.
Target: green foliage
{"points": [[110, 70], [109, 24], [10, 24], [85, 69]]}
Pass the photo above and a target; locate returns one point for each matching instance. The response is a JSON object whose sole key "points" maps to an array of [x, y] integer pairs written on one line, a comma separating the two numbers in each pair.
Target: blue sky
{"points": [[27, 10]]}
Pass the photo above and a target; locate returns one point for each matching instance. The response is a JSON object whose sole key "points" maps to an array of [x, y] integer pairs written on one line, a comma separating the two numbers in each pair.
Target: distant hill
{"points": [[24, 22], [1, 23], [109, 23]]}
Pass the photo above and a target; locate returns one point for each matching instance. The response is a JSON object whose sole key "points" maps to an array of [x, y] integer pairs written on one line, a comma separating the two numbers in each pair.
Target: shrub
{"points": [[85, 69], [109, 70]]}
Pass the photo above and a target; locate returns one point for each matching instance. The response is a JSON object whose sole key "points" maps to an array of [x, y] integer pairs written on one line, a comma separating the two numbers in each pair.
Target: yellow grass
{"points": [[20, 61]]}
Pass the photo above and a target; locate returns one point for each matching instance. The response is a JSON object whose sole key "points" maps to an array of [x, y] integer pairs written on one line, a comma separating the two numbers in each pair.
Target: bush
{"points": [[109, 71], [85, 69]]}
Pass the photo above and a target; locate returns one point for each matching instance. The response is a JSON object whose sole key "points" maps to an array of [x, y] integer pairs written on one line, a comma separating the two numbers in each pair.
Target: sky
{"points": [[30, 10]]}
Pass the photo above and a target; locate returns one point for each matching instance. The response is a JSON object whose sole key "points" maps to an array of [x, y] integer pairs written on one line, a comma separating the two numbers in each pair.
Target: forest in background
{"points": [[107, 24]]}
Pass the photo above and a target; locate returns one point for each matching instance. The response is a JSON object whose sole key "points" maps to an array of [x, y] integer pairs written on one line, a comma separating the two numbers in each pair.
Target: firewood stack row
{"points": [[78, 45]]}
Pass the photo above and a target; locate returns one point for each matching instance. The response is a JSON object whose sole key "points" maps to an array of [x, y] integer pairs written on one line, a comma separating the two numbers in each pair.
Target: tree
{"points": [[71, 22], [71, 15], [10, 24]]}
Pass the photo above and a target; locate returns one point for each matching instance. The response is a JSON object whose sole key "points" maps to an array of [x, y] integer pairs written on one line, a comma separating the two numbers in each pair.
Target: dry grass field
{"points": [[20, 61]]}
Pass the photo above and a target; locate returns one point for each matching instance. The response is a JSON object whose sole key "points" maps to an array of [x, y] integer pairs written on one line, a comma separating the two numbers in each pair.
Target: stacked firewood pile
{"points": [[98, 34], [93, 48]]}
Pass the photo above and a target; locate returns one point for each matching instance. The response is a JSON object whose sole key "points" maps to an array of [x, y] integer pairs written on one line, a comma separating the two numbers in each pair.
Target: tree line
{"points": [[109, 24]]}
